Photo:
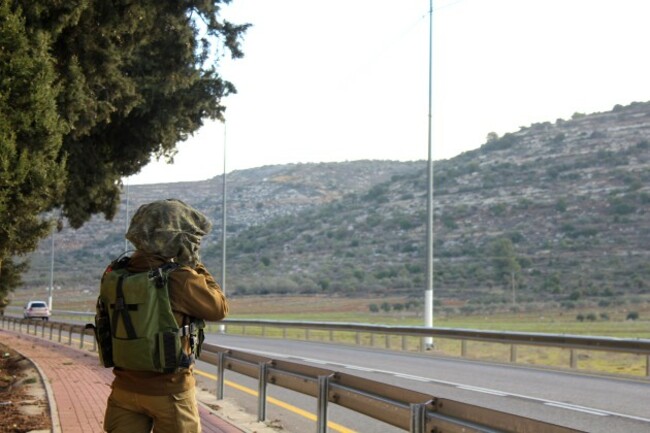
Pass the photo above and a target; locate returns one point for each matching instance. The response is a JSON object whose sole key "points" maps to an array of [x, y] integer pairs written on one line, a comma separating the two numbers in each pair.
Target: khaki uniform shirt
{"points": [[192, 292]]}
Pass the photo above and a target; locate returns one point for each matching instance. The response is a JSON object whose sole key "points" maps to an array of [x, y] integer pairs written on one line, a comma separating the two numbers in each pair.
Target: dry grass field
{"points": [[356, 310]]}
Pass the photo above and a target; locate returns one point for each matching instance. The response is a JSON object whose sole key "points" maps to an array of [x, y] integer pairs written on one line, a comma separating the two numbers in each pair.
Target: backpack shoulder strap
{"points": [[160, 274], [121, 310]]}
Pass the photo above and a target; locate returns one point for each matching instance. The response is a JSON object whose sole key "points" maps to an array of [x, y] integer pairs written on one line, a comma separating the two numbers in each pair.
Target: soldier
{"points": [[162, 232]]}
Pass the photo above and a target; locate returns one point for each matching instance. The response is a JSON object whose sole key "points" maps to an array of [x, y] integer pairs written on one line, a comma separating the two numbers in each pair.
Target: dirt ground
{"points": [[23, 400]]}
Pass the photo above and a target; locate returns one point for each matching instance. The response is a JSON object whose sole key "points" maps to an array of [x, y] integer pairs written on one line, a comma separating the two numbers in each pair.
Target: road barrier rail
{"points": [[413, 338], [405, 409]]}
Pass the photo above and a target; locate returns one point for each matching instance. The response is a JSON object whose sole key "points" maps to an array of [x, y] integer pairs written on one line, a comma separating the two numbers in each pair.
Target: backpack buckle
{"points": [[119, 304], [185, 330]]}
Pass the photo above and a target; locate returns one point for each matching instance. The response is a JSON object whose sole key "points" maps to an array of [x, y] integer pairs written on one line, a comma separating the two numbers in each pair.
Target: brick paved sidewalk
{"points": [[79, 386]]}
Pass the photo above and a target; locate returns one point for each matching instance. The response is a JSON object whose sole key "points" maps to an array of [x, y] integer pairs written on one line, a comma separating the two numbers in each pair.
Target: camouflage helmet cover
{"points": [[169, 228]]}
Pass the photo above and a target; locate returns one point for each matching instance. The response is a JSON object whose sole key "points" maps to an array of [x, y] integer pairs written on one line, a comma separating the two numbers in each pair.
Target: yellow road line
{"points": [[291, 408]]}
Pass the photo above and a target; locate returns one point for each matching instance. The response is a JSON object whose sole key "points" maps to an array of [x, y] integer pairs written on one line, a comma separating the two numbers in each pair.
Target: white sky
{"points": [[348, 79]]}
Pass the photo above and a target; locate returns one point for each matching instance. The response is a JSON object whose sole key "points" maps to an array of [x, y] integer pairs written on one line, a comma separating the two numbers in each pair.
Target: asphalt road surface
{"points": [[580, 401]]}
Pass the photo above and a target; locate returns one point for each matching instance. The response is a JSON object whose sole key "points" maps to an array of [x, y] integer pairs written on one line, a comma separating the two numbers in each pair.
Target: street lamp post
{"points": [[49, 290], [222, 328], [126, 219], [428, 294]]}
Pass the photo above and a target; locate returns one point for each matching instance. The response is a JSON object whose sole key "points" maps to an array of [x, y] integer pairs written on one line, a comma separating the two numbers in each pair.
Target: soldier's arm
{"points": [[194, 292]]}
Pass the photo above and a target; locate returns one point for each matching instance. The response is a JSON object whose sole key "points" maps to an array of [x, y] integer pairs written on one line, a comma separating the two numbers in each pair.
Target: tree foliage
{"points": [[504, 259], [90, 91], [31, 165]]}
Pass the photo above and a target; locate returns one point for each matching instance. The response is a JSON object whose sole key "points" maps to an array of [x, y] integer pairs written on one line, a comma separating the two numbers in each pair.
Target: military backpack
{"points": [[135, 327]]}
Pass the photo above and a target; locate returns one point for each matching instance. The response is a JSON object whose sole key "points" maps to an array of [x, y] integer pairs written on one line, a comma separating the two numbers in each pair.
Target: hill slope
{"points": [[556, 212]]}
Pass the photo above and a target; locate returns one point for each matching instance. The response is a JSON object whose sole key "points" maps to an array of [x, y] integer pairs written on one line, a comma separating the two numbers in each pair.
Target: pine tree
{"points": [[31, 165], [90, 91]]}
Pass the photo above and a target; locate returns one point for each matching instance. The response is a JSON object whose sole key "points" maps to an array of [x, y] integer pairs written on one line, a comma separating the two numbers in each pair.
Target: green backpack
{"points": [[134, 324]]}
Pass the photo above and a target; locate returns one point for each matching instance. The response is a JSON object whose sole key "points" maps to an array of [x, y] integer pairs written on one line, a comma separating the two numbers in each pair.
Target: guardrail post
{"points": [[307, 334], [60, 331], [82, 334], [51, 327], [323, 399], [513, 353], [404, 343], [372, 339], [331, 335], [70, 336], [220, 379], [357, 339], [284, 333], [647, 366], [43, 331], [463, 348], [387, 341], [261, 396], [417, 423], [574, 359]]}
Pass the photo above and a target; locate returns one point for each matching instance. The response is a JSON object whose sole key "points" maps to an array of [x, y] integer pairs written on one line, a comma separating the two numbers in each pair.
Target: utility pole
{"points": [[222, 328], [51, 288], [428, 294], [126, 219]]}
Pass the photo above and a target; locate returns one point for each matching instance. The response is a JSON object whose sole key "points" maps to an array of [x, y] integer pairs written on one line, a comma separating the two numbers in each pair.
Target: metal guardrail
{"points": [[515, 340], [405, 409], [53, 327], [402, 408]]}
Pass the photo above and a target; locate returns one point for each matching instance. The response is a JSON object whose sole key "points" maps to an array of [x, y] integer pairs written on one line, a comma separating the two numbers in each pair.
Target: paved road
{"points": [[579, 401]]}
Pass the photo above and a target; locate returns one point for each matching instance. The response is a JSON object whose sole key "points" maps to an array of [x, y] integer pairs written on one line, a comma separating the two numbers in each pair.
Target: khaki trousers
{"points": [[128, 412]]}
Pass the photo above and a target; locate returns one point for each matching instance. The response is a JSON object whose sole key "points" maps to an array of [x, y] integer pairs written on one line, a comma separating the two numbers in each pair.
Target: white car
{"points": [[36, 309]]}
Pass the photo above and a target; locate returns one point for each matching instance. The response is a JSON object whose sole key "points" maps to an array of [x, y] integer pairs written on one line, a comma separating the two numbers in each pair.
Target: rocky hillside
{"points": [[555, 212]]}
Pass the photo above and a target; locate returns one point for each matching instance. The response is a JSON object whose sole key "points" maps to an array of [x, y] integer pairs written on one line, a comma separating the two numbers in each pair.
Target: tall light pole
{"points": [[49, 290], [126, 219], [222, 328], [428, 294], [223, 216]]}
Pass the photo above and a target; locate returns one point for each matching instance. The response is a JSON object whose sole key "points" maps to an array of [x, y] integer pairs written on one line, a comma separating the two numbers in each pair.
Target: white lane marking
{"points": [[354, 367], [483, 390], [577, 408], [558, 404], [411, 377]]}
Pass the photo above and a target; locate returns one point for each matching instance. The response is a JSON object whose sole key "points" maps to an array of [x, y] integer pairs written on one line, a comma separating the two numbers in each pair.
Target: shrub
{"points": [[632, 315]]}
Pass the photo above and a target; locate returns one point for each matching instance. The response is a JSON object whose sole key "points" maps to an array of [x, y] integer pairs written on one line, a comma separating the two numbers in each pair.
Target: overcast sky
{"points": [[348, 79]]}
